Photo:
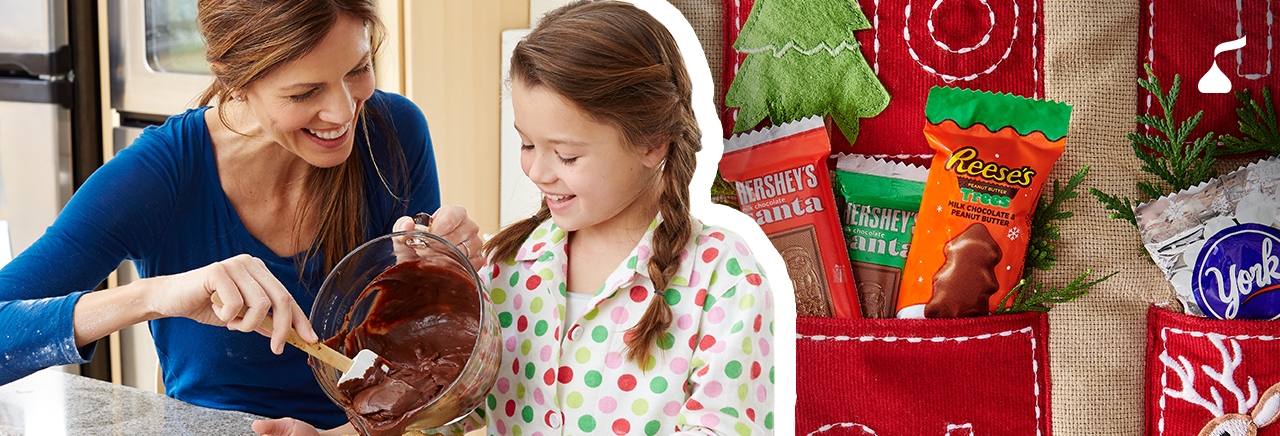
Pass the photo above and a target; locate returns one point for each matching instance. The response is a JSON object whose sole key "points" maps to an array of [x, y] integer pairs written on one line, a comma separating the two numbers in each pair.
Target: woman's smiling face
{"points": [[310, 105]]}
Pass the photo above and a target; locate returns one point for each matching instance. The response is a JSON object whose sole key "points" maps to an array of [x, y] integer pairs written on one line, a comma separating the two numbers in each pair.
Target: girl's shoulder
{"points": [[181, 140]]}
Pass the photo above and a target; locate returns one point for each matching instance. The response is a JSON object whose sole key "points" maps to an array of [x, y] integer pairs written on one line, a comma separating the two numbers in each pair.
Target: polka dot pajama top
{"points": [[710, 373]]}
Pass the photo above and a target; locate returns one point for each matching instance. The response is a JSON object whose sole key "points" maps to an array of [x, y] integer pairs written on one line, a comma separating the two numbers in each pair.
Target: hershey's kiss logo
{"points": [[1238, 272]]}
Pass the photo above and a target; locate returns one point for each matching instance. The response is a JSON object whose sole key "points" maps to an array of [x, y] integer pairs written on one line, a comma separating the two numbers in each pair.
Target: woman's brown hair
{"points": [[247, 40], [622, 67]]}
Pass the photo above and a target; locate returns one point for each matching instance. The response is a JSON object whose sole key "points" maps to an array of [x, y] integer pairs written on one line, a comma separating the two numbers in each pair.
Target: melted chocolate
{"points": [[423, 325]]}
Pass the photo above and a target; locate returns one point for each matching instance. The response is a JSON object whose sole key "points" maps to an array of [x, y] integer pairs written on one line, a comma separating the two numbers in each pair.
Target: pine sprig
{"points": [[1044, 229], [1033, 297], [1178, 161], [1258, 125]]}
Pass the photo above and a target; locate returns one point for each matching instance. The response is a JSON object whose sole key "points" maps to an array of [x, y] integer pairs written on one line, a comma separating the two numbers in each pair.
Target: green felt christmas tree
{"points": [[803, 60]]}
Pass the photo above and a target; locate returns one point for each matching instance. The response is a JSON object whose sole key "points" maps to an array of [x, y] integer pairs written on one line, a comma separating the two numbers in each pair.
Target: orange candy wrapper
{"points": [[993, 154], [783, 183]]}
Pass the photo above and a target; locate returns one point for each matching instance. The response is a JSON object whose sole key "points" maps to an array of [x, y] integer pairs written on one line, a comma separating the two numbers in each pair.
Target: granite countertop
{"points": [[52, 402]]}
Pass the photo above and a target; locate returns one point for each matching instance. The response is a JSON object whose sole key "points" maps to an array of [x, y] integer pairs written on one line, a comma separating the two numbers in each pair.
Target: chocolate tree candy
{"points": [[967, 278]]}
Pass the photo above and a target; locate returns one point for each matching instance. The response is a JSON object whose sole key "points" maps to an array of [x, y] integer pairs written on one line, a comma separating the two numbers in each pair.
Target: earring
{"points": [[240, 97]]}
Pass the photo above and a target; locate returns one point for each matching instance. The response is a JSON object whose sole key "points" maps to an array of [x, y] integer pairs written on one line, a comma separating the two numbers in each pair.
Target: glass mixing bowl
{"points": [[339, 307]]}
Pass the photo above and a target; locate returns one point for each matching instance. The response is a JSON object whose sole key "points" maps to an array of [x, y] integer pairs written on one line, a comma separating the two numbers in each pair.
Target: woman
{"points": [[255, 198]]}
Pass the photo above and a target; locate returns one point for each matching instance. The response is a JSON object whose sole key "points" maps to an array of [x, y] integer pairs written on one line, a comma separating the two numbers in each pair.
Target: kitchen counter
{"points": [[54, 403]]}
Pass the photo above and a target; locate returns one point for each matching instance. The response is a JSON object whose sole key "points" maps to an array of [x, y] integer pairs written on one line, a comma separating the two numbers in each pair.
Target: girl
{"points": [[620, 313]]}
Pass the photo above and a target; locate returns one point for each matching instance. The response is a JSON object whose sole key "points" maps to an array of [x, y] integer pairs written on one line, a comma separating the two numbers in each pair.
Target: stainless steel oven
{"points": [[157, 62]]}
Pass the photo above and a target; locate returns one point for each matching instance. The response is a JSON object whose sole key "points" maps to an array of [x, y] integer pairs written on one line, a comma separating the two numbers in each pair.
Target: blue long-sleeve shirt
{"points": [[160, 203]]}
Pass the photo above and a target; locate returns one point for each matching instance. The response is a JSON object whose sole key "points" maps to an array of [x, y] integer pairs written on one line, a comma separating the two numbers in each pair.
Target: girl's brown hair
{"points": [[622, 67], [247, 40]]}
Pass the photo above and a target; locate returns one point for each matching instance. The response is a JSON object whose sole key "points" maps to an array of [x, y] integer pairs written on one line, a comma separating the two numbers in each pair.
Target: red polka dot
{"points": [[639, 293], [710, 255], [494, 274], [759, 321], [693, 404], [538, 246], [522, 323], [693, 342], [576, 332], [717, 235], [557, 334], [701, 297], [547, 418], [549, 377], [751, 413], [627, 382], [511, 407], [755, 370], [621, 427], [703, 372], [533, 282], [566, 375], [754, 279], [708, 341], [515, 366]]}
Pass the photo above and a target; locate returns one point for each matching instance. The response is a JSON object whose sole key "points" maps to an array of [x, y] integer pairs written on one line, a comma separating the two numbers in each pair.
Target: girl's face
{"points": [[309, 105], [588, 176]]}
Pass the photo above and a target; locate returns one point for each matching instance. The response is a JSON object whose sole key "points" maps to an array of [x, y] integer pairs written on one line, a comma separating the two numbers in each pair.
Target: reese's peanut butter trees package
{"points": [[993, 154], [783, 183], [881, 200]]}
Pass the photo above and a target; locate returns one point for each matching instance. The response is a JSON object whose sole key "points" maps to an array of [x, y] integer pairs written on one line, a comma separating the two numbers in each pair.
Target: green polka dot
{"points": [[497, 295], [593, 379], [737, 327], [707, 305], [652, 428], [746, 302], [564, 289], [527, 413], [696, 362], [538, 234], [746, 345], [546, 256], [599, 334], [631, 263], [672, 296], [546, 274], [592, 314], [742, 392], [768, 421], [520, 391], [658, 385], [493, 402], [525, 347], [640, 407], [729, 411], [733, 267], [540, 328], [516, 431], [666, 341], [682, 420], [714, 275], [680, 281], [729, 293], [558, 235], [511, 261], [587, 423], [574, 400], [504, 319], [742, 429], [515, 279], [733, 369], [771, 375], [535, 306], [582, 355], [528, 371]]}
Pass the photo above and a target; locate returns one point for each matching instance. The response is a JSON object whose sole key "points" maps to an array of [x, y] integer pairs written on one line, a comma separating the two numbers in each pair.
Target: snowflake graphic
{"points": [[939, 208], [920, 279], [1014, 232]]}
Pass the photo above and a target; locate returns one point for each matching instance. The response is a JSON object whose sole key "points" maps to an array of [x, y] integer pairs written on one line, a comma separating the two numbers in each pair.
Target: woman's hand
{"points": [[451, 223], [293, 427], [244, 284]]}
